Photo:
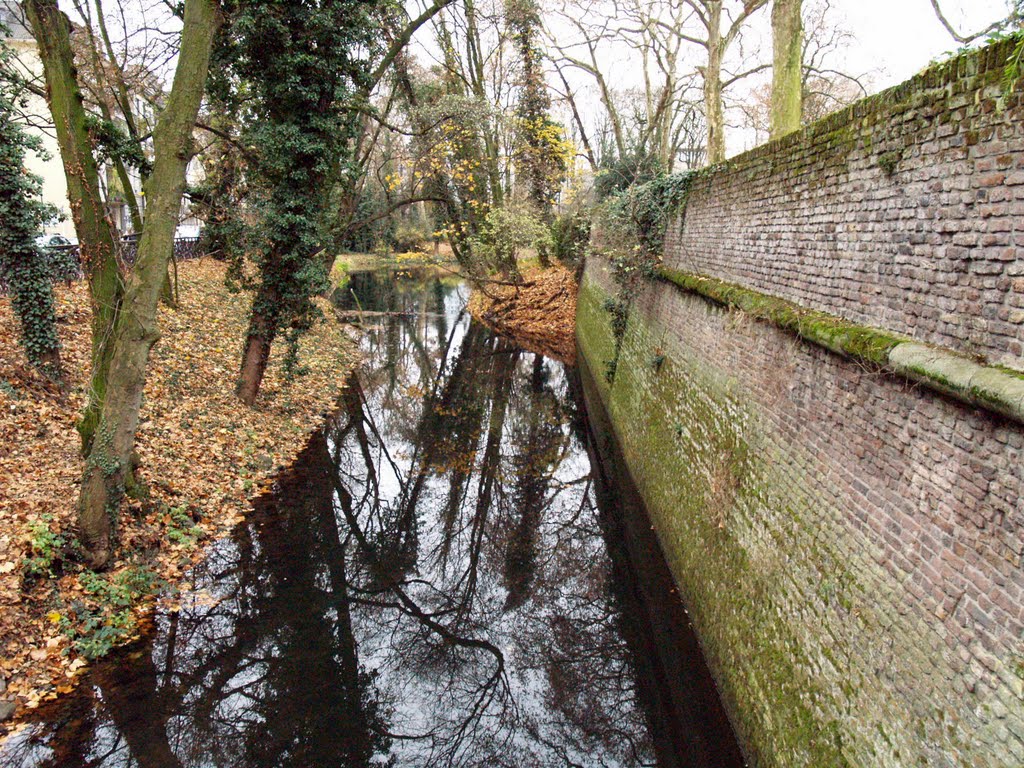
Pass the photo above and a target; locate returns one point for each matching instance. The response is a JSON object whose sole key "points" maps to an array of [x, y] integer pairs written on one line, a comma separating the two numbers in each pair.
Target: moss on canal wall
{"points": [[821, 403], [845, 588], [901, 212]]}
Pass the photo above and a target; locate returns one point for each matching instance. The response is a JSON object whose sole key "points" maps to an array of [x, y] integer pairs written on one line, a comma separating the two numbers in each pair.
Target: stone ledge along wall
{"points": [[904, 211], [848, 542]]}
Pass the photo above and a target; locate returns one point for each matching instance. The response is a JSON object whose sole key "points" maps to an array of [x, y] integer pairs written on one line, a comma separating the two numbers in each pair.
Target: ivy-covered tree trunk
{"points": [[787, 67], [97, 246], [22, 264], [108, 463], [540, 135], [301, 66]]}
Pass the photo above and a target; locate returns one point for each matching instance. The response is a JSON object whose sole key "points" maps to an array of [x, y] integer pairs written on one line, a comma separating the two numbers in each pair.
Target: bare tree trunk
{"points": [[97, 246], [787, 67], [135, 330], [713, 86], [571, 98], [258, 341]]}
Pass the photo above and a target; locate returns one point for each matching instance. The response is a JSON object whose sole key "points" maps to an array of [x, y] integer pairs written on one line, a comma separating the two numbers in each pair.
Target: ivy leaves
{"points": [[113, 142], [293, 69], [23, 265]]}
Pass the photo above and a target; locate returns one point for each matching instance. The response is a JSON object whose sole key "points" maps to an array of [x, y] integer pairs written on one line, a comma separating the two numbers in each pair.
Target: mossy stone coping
{"points": [[993, 388]]}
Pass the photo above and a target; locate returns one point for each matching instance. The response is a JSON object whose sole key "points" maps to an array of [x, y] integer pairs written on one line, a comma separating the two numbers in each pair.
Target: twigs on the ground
{"points": [[539, 313]]}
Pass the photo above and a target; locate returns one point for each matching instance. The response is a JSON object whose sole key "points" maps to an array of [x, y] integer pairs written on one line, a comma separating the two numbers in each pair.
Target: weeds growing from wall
{"points": [[1014, 66], [629, 229]]}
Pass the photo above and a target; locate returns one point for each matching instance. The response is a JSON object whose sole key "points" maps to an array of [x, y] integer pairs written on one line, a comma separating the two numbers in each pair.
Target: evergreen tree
{"points": [[297, 68], [23, 265]]}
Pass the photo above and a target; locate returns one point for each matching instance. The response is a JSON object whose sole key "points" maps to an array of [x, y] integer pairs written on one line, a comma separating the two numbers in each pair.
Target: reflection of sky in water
{"points": [[429, 588]]}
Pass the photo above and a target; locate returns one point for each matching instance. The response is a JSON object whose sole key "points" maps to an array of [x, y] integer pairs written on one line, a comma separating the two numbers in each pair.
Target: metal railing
{"points": [[66, 261]]}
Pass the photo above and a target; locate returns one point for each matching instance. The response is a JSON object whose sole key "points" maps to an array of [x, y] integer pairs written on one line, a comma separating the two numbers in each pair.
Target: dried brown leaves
{"points": [[204, 455], [541, 315]]}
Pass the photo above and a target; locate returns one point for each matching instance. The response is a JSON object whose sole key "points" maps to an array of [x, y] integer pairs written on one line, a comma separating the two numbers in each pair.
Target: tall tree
{"points": [[657, 35], [300, 64], [787, 67], [716, 40], [541, 138], [97, 246], [135, 329], [306, 71], [649, 125]]}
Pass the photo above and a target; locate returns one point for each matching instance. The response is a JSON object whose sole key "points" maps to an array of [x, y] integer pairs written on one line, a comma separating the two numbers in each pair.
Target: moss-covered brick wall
{"points": [[904, 212], [848, 544]]}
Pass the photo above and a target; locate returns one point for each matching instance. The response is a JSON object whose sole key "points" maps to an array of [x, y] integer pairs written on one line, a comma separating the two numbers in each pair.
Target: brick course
{"points": [[903, 212]]}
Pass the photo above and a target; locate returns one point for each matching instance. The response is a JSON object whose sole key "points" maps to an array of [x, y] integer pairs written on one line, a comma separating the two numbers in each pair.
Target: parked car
{"points": [[187, 231], [54, 241]]}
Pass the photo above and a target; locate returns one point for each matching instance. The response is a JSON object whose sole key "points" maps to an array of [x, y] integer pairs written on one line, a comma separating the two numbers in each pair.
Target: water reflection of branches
{"points": [[428, 587], [448, 630]]}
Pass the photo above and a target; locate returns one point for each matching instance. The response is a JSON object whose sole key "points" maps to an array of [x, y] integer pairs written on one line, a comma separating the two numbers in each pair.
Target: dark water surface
{"points": [[441, 580]]}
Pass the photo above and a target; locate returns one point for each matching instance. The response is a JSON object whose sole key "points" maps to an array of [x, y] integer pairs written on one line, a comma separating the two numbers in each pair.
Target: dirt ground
{"points": [[204, 457]]}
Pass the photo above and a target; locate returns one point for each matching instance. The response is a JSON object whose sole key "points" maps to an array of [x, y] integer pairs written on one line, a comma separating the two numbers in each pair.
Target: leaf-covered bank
{"points": [[203, 454], [540, 314]]}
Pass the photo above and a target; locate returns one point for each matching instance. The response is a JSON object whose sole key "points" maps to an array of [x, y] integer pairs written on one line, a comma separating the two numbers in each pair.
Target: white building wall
{"points": [[51, 171]]}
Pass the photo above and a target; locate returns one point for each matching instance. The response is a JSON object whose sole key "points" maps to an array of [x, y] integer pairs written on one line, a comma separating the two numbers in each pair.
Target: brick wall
{"points": [[904, 212], [849, 545]]}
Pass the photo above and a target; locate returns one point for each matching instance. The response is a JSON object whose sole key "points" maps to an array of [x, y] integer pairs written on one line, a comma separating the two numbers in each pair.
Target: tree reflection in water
{"points": [[427, 587]]}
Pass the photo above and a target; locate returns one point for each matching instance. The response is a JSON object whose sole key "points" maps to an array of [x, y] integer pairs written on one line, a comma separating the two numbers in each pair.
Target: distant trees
{"points": [[475, 132], [539, 153], [661, 38], [474, 137], [655, 124], [466, 112], [716, 40]]}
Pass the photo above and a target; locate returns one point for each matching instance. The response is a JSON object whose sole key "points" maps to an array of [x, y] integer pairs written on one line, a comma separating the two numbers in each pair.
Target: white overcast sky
{"points": [[892, 38], [889, 42], [898, 38]]}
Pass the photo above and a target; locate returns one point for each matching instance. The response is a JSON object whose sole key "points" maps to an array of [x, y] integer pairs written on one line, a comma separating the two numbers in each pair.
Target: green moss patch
{"points": [[993, 388]]}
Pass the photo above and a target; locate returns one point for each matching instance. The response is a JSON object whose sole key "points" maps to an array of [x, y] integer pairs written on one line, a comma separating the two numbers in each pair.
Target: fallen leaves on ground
{"points": [[204, 457], [540, 314]]}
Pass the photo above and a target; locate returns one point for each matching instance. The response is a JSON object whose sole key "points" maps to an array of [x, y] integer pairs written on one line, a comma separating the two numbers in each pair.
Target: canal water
{"points": [[448, 576]]}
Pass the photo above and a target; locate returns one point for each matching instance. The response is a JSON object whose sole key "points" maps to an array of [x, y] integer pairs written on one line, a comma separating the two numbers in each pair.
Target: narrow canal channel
{"points": [[446, 577]]}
